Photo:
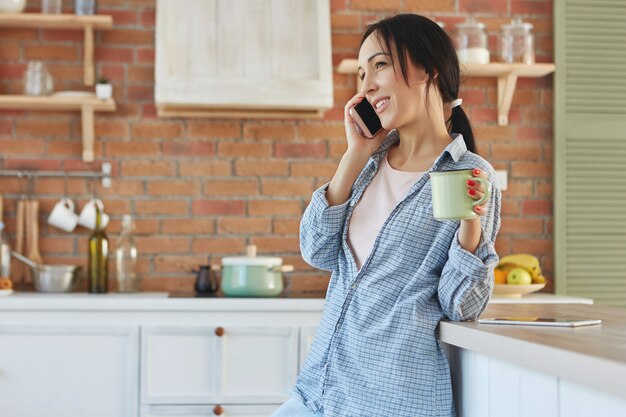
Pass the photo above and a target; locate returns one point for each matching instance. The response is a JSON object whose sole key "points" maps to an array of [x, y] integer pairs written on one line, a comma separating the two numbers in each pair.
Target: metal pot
{"points": [[51, 278], [253, 276]]}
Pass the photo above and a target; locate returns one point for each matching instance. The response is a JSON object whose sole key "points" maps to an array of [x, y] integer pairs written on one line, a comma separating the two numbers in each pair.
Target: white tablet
{"points": [[540, 321]]}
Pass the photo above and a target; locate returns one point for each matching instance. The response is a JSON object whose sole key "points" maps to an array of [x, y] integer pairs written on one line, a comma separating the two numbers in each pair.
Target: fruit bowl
{"points": [[515, 291]]}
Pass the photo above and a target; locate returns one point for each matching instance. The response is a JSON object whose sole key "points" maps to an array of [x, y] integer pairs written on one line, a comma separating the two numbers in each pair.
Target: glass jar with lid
{"points": [[471, 42], [517, 43]]}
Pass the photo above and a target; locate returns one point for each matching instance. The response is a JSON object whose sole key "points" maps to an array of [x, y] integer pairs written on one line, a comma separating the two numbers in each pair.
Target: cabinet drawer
{"points": [[208, 410], [218, 364]]}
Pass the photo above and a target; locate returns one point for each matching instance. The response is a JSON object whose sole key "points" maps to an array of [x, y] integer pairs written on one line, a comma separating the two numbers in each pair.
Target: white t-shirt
{"points": [[379, 199]]}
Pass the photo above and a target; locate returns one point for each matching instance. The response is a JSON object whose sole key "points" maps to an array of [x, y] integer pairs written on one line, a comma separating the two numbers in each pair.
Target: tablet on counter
{"points": [[540, 321]]}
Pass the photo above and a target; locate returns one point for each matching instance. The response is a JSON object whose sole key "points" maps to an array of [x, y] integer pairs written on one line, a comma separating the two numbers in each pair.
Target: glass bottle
{"points": [[5, 254], [37, 79], [98, 266], [471, 42], [517, 43], [126, 258]]}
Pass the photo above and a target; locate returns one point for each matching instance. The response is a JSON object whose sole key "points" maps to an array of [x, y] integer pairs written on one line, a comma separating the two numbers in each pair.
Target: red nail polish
{"points": [[478, 208], [477, 171], [472, 192], [471, 183]]}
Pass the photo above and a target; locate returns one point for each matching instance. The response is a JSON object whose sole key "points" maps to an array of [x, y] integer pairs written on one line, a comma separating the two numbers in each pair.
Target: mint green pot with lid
{"points": [[253, 276]]}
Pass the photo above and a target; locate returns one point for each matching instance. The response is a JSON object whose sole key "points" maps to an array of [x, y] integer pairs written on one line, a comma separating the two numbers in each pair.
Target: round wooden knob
{"points": [[219, 332], [218, 410]]}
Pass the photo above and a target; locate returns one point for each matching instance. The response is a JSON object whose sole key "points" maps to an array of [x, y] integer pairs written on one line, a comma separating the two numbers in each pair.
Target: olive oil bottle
{"points": [[98, 267]]}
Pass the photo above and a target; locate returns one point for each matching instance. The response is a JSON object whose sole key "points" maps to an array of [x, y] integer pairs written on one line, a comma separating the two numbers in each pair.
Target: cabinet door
{"points": [[244, 54], [215, 364], [208, 411], [307, 335], [69, 371]]}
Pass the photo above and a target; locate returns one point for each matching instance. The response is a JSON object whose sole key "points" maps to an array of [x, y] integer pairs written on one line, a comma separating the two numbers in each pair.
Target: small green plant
{"points": [[103, 80]]}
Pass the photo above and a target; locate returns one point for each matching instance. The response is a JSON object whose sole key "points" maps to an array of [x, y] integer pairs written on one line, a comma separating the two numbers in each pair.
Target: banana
{"points": [[526, 261]]}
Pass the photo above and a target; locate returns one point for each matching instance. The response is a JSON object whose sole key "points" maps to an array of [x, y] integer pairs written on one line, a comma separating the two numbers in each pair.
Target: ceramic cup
{"points": [[450, 199], [63, 215], [87, 217]]}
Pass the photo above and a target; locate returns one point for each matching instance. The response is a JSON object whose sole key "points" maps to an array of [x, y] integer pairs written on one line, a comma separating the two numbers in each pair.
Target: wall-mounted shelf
{"points": [[64, 21], [86, 105], [507, 75]]}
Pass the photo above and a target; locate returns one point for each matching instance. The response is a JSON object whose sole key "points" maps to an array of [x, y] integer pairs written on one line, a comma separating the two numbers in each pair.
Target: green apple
{"points": [[519, 276]]}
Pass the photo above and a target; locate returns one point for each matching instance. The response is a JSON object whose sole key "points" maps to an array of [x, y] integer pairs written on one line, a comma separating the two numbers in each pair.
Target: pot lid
{"points": [[470, 23], [517, 24], [252, 259]]}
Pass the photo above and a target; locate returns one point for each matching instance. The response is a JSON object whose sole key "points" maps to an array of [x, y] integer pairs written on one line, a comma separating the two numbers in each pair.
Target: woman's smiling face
{"points": [[395, 102]]}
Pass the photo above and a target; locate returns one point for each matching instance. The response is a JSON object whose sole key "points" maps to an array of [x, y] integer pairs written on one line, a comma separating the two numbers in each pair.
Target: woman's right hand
{"points": [[356, 142]]}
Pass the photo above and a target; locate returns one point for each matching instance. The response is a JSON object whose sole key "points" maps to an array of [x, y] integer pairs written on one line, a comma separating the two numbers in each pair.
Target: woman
{"points": [[396, 271]]}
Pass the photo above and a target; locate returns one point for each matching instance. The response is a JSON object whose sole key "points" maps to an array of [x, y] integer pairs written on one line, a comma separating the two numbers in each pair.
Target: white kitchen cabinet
{"points": [[307, 334], [209, 411], [218, 364], [221, 57], [68, 371]]}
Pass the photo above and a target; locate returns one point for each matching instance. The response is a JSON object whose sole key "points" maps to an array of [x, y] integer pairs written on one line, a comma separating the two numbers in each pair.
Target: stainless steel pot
{"points": [[253, 276], [51, 278]]}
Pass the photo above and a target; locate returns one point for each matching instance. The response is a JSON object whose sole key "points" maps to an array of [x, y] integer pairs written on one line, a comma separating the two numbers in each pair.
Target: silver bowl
{"points": [[55, 278]]}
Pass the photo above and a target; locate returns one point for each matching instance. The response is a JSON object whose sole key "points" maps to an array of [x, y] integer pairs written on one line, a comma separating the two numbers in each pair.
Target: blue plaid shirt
{"points": [[376, 352]]}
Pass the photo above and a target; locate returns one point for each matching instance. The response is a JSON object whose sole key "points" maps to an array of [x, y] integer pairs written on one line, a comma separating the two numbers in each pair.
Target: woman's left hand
{"points": [[476, 190]]}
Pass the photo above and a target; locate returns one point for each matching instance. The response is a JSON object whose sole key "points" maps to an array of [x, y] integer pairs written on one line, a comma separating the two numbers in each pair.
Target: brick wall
{"points": [[199, 187]]}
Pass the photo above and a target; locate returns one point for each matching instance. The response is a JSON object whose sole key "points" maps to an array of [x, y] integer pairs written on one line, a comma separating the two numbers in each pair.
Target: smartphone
{"points": [[541, 321], [366, 119]]}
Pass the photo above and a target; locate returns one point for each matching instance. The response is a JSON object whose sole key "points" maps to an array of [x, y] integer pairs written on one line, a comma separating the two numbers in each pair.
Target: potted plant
{"points": [[104, 89]]}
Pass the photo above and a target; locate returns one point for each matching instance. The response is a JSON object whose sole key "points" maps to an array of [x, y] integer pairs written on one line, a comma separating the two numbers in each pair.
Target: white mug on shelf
{"points": [[63, 215], [87, 217]]}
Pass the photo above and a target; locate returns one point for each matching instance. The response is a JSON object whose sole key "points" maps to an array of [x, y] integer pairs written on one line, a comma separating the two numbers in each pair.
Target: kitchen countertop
{"points": [[163, 302], [594, 356]]}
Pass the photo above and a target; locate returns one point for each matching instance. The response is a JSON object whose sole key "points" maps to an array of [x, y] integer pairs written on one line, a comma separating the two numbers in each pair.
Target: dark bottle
{"points": [[98, 267]]}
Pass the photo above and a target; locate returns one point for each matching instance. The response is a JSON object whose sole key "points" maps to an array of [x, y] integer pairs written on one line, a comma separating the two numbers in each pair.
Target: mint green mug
{"points": [[450, 199]]}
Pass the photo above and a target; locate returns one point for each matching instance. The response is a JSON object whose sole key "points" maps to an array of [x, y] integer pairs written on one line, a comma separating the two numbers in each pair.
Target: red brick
{"points": [[34, 127], [313, 169], [231, 188], [217, 245], [519, 188], [274, 207], [287, 226], [421, 6], [189, 148], [534, 246], [244, 149], [121, 17], [146, 207], [483, 6], [337, 5], [22, 147], [528, 151], [388, 5], [127, 149], [62, 35], [205, 169], [244, 225], [162, 245], [261, 167], [345, 21], [14, 34], [218, 207], [128, 36], [145, 55], [9, 52], [537, 208], [300, 150], [532, 7], [276, 244], [124, 188], [212, 130], [273, 132], [522, 226], [325, 131], [510, 207], [288, 187], [173, 188], [346, 40], [147, 18], [111, 129], [108, 54], [51, 52], [140, 92], [531, 170], [33, 164], [187, 226], [178, 263]]}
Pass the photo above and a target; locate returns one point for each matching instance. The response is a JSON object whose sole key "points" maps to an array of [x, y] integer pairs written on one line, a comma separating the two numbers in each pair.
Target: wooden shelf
{"points": [[64, 21], [507, 75], [86, 105]]}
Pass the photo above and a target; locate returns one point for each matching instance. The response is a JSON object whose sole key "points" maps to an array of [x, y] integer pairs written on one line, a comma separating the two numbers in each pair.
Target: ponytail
{"points": [[459, 123]]}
